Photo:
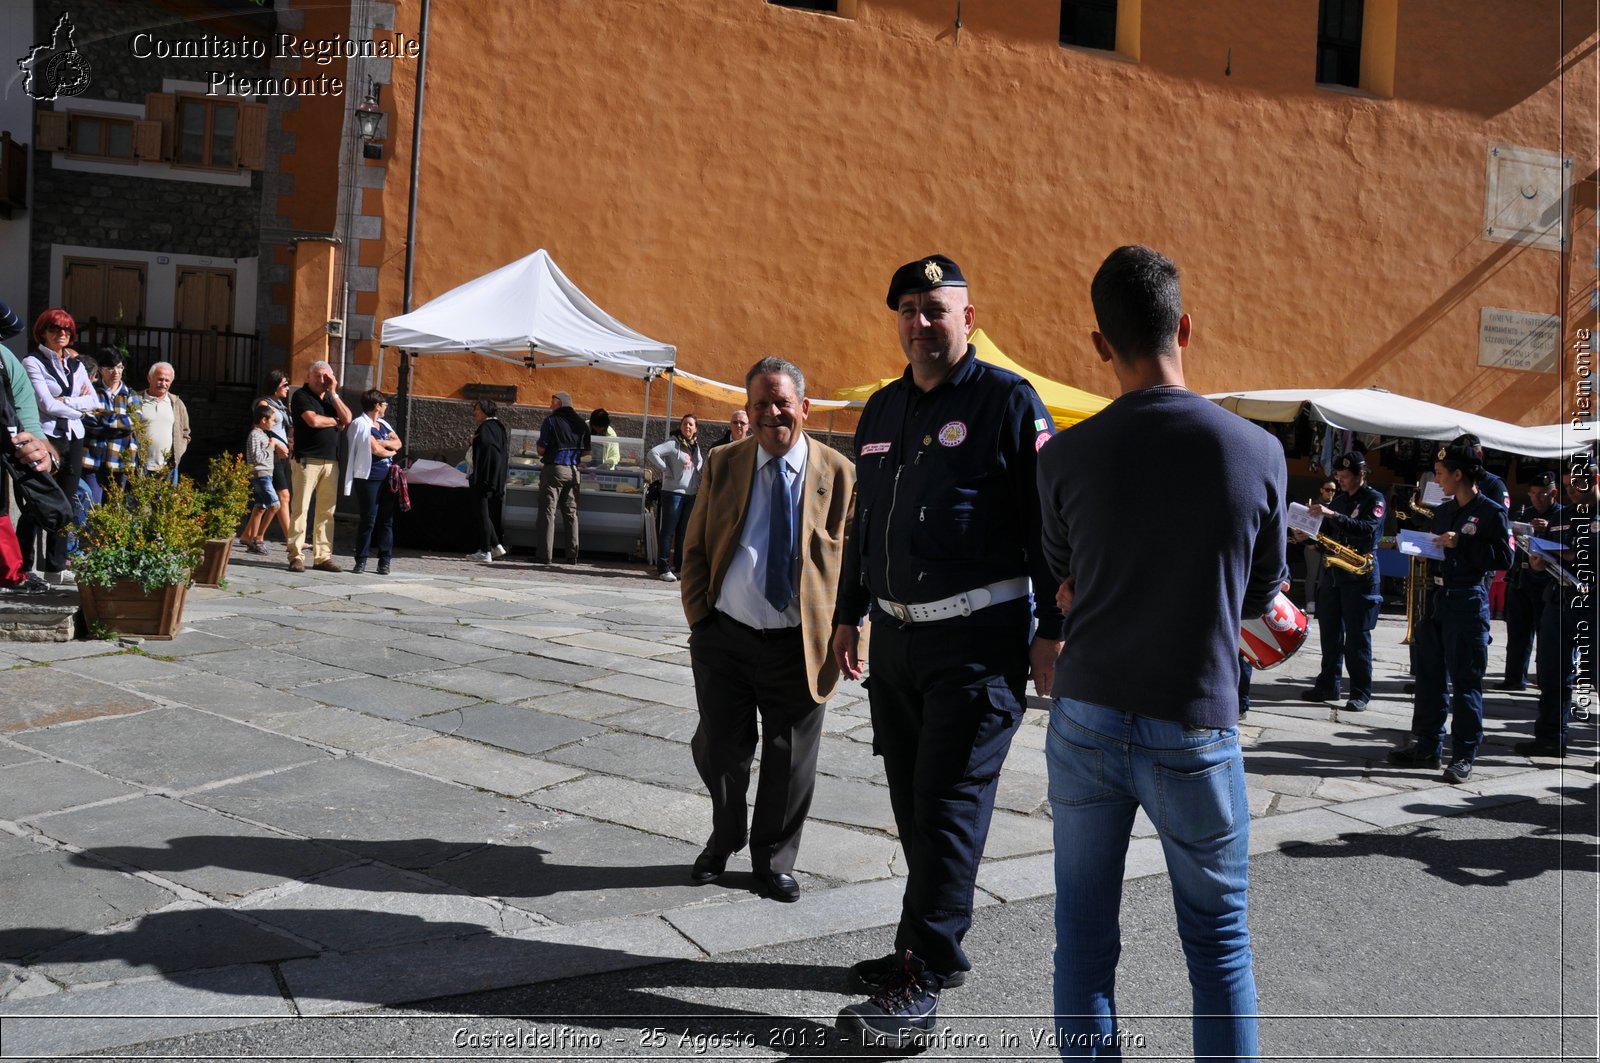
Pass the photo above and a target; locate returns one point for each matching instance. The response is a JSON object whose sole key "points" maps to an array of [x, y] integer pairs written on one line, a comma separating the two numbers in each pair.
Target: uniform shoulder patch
{"points": [[953, 434], [1040, 440]]}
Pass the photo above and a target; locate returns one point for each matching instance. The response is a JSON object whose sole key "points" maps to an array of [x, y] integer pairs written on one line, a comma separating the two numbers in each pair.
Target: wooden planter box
{"points": [[127, 609], [213, 562]]}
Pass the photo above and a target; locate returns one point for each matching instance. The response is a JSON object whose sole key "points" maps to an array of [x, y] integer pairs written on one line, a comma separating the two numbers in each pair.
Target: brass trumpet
{"points": [[1339, 555], [1416, 596]]}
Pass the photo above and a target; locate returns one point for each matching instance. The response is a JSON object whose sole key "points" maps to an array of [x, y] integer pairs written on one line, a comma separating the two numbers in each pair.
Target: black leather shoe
{"points": [[1412, 757], [779, 885], [709, 866]]}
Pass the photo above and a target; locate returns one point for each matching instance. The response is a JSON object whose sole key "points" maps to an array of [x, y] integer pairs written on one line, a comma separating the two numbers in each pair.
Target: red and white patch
{"points": [[874, 448], [1470, 527], [1040, 440], [1377, 510], [953, 434]]}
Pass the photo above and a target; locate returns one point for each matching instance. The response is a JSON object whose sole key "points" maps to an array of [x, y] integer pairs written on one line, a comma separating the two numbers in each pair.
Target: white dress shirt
{"points": [[743, 595]]}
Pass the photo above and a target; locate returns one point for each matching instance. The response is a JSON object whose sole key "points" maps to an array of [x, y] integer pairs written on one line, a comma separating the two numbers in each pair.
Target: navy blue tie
{"points": [[780, 541]]}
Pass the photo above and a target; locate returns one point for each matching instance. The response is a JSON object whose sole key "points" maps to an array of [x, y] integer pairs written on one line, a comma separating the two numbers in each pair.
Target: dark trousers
{"points": [[376, 530], [1452, 644], [1557, 650], [1524, 606], [489, 509], [946, 702], [558, 492], [55, 543], [740, 674], [1347, 611], [672, 524]]}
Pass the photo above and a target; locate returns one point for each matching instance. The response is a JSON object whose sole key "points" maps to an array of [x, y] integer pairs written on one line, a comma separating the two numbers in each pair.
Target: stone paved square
{"points": [[509, 727], [42, 697], [27, 790]]}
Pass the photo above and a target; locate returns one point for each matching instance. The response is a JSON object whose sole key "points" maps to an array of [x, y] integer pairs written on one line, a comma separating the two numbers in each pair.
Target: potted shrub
{"points": [[137, 554], [224, 503]]}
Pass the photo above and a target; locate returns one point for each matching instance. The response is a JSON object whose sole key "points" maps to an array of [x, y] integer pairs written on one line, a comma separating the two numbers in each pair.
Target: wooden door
{"points": [[105, 291], [203, 312]]}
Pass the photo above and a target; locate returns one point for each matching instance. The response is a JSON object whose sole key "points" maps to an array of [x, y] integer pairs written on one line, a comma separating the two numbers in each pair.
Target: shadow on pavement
{"points": [[1561, 838]]}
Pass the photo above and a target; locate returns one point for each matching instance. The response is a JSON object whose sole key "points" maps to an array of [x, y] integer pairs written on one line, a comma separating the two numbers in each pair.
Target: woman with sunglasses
{"points": [[65, 394]]}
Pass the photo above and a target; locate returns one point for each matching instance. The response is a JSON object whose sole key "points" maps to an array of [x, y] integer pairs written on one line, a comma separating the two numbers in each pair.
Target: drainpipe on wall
{"points": [[411, 227]]}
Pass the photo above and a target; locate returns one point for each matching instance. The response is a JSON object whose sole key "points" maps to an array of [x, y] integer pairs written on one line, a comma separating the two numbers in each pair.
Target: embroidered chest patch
{"points": [[874, 448], [953, 434]]}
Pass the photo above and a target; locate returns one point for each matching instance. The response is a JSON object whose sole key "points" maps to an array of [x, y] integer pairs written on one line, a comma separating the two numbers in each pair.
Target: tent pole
{"points": [[404, 396], [644, 431], [669, 405]]}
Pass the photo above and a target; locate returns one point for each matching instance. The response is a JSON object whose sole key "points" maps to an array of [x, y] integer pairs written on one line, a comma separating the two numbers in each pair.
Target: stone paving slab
{"points": [[94, 1020], [44, 697], [673, 724], [169, 942], [509, 727], [623, 644], [122, 667], [371, 811], [358, 655], [356, 908], [638, 757], [388, 698], [852, 802], [545, 669], [446, 648], [342, 729], [459, 760], [193, 847], [581, 704], [644, 688], [171, 749], [50, 786], [837, 852], [335, 982], [10, 755], [686, 817], [270, 668], [46, 902], [491, 686], [61, 651], [221, 696]]}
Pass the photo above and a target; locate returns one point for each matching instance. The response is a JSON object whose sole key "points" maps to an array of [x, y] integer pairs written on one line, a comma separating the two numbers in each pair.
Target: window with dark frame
{"points": [[1339, 42], [207, 134], [831, 6], [1089, 24], [100, 136]]}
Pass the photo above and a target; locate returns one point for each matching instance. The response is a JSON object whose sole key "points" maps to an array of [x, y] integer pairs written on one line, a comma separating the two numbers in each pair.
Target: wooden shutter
{"points": [[252, 136], [147, 141], [83, 288], [124, 292], [52, 131], [162, 107]]}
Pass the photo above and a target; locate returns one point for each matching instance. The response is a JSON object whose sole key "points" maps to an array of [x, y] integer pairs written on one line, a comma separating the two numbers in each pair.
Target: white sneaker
{"points": [[670, 577], [481, 555], [500, 551], [62, 578]]}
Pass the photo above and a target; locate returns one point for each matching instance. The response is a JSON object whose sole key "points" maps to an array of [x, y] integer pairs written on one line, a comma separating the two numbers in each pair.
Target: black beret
{"points": [[1545, 480], [1458, 455], [924, 275], [1354, 461]]}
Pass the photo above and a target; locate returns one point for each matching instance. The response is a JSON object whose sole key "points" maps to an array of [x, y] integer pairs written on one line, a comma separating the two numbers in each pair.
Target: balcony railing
{"points": [[198, 356]]}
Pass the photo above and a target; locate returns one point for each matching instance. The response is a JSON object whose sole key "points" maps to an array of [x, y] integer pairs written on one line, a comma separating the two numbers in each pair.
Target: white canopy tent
{"points": [[1384, 413], [527, 313]]}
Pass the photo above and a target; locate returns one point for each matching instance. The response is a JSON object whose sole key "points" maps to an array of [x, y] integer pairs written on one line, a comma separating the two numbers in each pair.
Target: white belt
{"points": [[963, 604]]}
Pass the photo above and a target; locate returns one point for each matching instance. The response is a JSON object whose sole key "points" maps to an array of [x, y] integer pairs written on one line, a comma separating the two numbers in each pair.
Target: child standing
{"points": [[258, 448]]}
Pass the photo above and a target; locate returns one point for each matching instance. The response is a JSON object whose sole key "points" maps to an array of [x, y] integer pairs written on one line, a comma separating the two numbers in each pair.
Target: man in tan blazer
{"points": [[760, 571]]}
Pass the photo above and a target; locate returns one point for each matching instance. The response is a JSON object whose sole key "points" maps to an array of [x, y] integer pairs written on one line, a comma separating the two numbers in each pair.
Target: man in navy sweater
{"points": [[1147, 684]]}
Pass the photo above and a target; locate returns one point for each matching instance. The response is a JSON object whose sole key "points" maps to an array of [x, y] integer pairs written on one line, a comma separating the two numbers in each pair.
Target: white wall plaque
{"points": [[1527, 199], [1516, 339]]}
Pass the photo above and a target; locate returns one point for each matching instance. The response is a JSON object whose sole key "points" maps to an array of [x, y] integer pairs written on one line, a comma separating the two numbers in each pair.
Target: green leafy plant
{"points": [[149, 532], [225, 498]]}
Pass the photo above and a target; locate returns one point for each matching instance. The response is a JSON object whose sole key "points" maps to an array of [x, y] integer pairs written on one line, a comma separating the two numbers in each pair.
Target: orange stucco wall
{"points": [[741, 179]]}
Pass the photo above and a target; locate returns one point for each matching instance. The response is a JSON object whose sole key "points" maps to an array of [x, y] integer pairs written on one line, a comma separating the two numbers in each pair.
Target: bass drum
{"points": [[1273, 638]]}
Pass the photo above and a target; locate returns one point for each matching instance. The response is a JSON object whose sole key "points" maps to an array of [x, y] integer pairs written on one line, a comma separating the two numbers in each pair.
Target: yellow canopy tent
{"points": [[1067, 405]]}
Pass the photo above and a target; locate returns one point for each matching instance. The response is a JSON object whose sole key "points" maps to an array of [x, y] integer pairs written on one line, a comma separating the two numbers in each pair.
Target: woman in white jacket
{"points": [[373, 445], [677, 462]]}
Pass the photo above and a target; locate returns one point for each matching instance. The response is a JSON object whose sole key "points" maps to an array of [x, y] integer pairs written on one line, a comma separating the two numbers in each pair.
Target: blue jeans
{"points": [[1452, 643], [671, 527], [376, 530], [1104, 766]]}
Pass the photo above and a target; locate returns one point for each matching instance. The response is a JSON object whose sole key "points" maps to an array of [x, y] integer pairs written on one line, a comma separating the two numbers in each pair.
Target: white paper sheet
{"points": [[1419, 544], [1301, 519]]}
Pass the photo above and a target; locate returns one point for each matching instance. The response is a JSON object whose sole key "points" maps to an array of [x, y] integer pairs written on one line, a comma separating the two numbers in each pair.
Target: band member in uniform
{"points": [[1347, 604], [946, 540], [1559, 641], [1526, 585], [1452, 639]]}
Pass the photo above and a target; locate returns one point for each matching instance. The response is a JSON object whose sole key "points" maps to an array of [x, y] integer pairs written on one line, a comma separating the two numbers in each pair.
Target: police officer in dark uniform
{"points": [[945, 542], [1563, 604], [1453, 638], [1347, 603], [1526, 586]]}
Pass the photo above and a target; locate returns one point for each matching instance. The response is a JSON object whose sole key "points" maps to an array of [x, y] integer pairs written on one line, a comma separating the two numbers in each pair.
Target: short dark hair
{"points": [[275, 379], [487, 406], [371, 399], [600, 418], [1137, 301], [263, 410]]}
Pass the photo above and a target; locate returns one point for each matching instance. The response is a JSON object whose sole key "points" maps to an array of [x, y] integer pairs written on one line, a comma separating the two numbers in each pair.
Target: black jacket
{"points": [[489, 458]]}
